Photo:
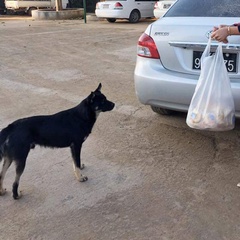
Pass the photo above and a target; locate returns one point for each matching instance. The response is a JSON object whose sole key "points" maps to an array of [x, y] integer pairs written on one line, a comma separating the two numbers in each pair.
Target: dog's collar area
{"points": [[97, 113]]}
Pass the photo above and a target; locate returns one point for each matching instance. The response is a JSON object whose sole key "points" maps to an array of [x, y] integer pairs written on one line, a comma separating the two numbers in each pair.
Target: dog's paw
{"points": [[79, 176], [83, 178], [16, 197], [3, 191], [82, 166]]}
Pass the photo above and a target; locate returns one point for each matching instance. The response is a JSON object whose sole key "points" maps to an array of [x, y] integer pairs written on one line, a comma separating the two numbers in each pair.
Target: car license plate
{"points": [[166, 6], [105, 6], [230, 60]]}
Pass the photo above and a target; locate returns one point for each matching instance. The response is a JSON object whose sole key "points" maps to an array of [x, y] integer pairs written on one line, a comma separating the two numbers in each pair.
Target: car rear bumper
{"points": [[110, 13], [160, 87], [158, 13]]}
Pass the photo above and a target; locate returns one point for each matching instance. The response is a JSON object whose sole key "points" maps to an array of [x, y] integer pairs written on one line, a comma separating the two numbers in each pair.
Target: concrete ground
{"points": [[150, 177]]}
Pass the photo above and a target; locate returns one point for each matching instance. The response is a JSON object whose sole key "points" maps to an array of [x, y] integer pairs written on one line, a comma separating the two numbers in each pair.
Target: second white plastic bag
{"points": [[212, 105]]}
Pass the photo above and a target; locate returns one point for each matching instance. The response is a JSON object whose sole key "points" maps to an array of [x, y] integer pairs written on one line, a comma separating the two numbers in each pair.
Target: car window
{"points": [[205, 8]]}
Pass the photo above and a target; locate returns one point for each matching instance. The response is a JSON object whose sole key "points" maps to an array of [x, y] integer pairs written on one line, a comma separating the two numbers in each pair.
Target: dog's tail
{"points": [[3, 137]]}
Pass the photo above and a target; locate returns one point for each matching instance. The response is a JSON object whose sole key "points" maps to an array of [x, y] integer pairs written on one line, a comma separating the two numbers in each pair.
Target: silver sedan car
{"points": [[169, 52]]}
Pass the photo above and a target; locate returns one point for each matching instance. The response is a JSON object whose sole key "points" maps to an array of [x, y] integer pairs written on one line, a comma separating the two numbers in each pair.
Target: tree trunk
{"points": [[58, 5]]}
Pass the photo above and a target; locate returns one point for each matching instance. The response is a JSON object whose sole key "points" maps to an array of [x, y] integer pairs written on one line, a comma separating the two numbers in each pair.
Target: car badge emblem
{"points": [[209, 33], [163, 34]]}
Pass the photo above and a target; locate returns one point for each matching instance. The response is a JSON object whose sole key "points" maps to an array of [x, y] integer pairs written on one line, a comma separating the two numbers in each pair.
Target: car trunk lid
{"points": [[180, 41]]}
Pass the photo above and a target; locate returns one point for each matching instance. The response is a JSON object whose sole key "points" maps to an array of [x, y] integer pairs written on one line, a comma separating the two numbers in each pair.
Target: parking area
{"points": [[150, 177]]}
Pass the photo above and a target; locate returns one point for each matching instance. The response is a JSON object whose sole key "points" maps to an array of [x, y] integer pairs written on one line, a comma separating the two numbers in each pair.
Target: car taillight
{"points": [[147, 47], [118, 5], [155, 5], [97, 6]]}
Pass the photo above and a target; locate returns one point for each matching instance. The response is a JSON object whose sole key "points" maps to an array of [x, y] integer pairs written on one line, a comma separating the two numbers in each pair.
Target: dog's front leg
{"points": [[77, 167]]}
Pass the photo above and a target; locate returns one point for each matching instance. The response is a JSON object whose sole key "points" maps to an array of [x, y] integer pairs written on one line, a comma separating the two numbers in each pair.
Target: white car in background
{"points": [[133, 10], [161, 7]]}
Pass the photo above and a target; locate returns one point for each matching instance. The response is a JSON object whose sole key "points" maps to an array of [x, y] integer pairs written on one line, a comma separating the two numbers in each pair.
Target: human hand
{"points": [[220, 33]]}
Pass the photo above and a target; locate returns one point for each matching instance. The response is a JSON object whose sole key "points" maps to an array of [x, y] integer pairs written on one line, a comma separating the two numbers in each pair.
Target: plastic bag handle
{"points": [[219, 50], [207, 50]]}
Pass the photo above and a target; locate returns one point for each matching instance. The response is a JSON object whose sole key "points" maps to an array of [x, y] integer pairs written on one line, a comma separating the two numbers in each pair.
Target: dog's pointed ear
{"points": [[99, 88]]}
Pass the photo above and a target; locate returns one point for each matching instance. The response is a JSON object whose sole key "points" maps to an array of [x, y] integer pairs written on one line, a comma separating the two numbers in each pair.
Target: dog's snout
{"points": [[112, 105]]}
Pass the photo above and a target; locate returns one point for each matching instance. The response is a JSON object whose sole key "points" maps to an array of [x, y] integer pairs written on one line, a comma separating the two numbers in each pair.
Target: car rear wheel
{"points": [[29, 11], [111, 20], [10, 12], [134, 16], [162, 111]]}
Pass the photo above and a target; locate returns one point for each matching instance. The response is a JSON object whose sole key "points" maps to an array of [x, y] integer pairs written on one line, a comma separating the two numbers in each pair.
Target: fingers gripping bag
{"points": [[212, 105]]}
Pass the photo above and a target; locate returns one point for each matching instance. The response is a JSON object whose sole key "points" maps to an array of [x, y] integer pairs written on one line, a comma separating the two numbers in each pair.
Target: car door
{"points": [[145, 7]]}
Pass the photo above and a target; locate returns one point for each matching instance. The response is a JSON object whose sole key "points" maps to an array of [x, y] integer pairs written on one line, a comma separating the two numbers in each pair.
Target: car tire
{"points": [[162, 111], [29, 11], [134, 16], [10, 12], [111, 20]]}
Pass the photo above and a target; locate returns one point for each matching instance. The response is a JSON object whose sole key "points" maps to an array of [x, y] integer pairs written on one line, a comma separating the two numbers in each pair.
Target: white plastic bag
{"points": [[212, 105]]}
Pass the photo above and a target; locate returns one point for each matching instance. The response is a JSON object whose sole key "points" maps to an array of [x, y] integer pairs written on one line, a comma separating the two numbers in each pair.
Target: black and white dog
{"points": [[68, 128]]}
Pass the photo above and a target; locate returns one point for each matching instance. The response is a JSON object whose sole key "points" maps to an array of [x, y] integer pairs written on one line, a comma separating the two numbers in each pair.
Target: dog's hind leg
{"points": [[20, 166], [77, 166], [6, 164]]}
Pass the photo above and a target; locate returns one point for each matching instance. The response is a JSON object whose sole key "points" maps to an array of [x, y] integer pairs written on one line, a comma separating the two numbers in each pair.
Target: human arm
{"points": [[223, 31]]}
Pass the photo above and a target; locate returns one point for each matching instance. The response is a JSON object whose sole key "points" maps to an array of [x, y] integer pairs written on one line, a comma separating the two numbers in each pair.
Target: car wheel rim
{"points": [[135, 16]]}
